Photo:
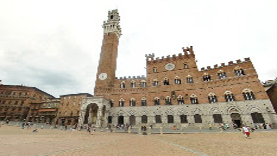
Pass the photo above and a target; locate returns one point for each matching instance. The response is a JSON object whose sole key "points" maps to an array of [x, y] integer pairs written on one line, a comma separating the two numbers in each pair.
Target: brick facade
{"points": [[15, 101], [177, 84]]}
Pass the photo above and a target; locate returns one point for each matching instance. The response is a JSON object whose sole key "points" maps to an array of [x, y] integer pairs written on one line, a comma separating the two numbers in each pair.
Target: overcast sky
{"points": [[55, 45]]}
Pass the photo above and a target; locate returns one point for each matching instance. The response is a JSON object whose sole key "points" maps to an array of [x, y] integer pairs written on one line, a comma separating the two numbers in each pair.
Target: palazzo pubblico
{"points": [[174, 92]]}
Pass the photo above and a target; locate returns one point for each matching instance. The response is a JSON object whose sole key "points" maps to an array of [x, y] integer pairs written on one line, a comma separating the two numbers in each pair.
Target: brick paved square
{"points": [[23, 142]]}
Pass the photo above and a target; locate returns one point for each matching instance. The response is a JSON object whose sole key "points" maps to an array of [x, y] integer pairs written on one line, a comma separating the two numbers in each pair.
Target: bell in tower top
{"points": [[112, 24]]}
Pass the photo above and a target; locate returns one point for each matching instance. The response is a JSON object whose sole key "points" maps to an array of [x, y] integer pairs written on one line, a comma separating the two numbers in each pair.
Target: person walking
{"points": [[88, 129], [246, 131]]}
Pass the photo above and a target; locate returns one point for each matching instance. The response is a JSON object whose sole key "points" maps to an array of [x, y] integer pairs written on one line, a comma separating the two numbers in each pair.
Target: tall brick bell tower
{"points": [[107, 64]]}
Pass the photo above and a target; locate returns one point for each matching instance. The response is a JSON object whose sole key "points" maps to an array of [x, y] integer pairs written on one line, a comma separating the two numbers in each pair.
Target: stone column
{"points": [[90, 116], [99, 117]]}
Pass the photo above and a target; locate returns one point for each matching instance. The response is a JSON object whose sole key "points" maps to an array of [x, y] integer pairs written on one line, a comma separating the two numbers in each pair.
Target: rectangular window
{"points": [[197, 118], [170, 119], [158, 119], [144, 119], [184, 119], [217, 118], [257, 118]]}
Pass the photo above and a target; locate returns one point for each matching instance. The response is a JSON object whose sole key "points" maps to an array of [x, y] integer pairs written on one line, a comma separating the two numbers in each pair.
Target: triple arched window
{"points": [[142, 83], [221, 74], [193, 99], [133, 84], [189, 79], [122, 84], [168, 101], [206, 77], [143, 101], [156, 101], [212, 98], [180, 100], [132, 102], [166, 81], [155, 82], [121, 102], [238, 71], [177, 80], [248, 94], [229, 96]]}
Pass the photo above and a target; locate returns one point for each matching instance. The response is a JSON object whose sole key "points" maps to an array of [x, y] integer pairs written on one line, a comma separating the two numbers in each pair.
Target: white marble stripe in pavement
{"points": [[185, 148]]}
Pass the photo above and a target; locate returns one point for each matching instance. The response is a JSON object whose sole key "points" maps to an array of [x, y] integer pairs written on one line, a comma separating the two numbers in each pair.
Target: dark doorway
{"points": [[120, 120], [110, 119], [132, 120], [236, 119]]}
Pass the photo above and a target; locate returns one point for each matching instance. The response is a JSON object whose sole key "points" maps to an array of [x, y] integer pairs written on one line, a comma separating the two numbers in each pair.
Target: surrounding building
{"points": [[69, 109], [174, 92], [15, 101], [271, 90], [44, 112]]}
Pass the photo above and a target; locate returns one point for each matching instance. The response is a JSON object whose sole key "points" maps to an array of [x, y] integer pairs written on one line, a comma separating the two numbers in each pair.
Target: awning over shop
{"points": [[47, 110]]}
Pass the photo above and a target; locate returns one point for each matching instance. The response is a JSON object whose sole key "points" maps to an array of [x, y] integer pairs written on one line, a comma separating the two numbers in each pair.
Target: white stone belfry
{"points": [[91, 104], [112, 24]]}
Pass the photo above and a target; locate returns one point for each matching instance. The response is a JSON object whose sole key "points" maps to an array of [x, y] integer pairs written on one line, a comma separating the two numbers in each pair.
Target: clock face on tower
{"points": [[169, 66], [103, 76]]}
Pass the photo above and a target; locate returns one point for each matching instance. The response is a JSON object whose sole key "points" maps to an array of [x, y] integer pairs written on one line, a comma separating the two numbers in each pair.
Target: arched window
{"points": [[180, 100], [142, 83], [248, 94], [155, 70], [193, 99], [177, 80], [166, 81], [168, 100], [121, 102], [221, 74], [206, 77], [186, 66], [238, 71], [143, 101], [122, 84], [155, 82], [229, 96], [189, 79], [133, 84], [156, 101], [132, 102], [212, 98]]}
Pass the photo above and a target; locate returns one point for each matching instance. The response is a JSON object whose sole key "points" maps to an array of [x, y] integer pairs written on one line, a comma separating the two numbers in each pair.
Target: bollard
{"points": [[161, 130], [50, 127], [139, 131], [129, 129], [149, 130], [41, 127], [200, 129]]}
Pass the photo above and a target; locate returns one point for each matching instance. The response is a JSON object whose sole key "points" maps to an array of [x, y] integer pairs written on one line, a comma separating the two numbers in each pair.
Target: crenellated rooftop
{"points": [[187, 53], [131, 77], [224, 65]]}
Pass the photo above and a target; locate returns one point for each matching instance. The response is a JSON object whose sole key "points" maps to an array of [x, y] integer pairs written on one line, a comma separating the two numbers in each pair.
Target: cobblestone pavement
{"points": [[15, 141]]}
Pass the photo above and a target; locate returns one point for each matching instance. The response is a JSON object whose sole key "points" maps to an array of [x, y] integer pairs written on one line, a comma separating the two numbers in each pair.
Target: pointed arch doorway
{"points": [[235, 116]]}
